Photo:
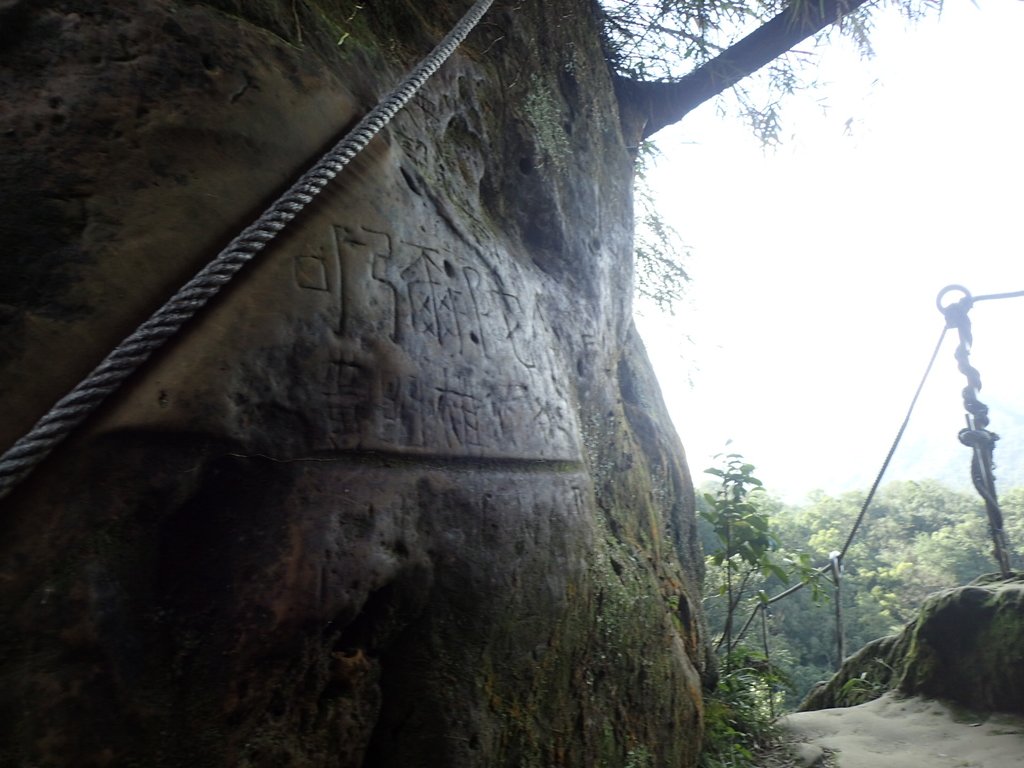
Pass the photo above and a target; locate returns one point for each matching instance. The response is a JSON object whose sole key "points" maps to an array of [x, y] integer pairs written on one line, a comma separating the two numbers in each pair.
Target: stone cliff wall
{"points": [[406, 493]]}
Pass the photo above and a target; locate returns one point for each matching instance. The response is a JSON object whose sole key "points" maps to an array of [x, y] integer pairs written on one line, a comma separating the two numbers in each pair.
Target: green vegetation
{"points": [[658, 251], [917, 538], [743, 553], [744, 545], [743, 557], [739, 716]]}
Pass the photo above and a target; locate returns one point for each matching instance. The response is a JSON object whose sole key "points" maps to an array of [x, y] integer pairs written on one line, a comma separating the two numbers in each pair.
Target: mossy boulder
{"points": [[966, 646], [864, 676]]}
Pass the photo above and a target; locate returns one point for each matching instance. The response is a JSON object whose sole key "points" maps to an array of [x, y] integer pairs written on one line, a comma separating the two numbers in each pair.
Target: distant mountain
{"points": [[932, 451]]}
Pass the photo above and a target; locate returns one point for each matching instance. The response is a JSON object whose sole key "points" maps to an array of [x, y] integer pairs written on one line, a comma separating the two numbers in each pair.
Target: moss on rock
{"points": [[966, 645]]}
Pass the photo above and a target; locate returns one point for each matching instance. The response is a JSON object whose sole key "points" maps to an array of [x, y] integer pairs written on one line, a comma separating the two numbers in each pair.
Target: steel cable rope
{"points": [[768, 662], [867, 501], [991, 296], [892, 450], [27, 452]]}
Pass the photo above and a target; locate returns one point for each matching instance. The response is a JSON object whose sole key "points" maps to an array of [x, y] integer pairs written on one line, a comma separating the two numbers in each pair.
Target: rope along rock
{"points": [[22, 457]]}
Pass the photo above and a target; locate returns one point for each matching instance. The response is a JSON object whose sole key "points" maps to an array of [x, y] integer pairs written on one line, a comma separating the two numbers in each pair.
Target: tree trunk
{"points": [[650, 106]]}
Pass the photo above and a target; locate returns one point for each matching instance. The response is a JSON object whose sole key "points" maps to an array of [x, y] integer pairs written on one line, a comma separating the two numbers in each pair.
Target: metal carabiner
{"points": [[950, 289], [956, 311]]}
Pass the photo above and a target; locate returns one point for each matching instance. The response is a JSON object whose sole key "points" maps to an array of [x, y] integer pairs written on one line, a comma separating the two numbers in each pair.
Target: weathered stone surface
{"points": [[900, 731], [966, 646], [969, 646], [406, 493], [864, 676]]}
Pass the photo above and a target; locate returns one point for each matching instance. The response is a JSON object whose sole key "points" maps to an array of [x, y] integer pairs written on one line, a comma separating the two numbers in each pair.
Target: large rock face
{"points": [[405, 494]]}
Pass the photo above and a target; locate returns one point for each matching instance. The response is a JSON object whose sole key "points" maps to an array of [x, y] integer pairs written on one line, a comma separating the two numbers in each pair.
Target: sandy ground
{"points": [[906, 732]]}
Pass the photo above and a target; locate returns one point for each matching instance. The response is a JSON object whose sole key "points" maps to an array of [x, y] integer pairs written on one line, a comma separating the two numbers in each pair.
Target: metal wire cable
{"points": [[867, 501], [22, 457], [767, 659], [991, 296], [892, 450]]}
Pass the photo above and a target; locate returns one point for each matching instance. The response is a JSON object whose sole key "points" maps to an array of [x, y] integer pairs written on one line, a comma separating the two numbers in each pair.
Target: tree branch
{"points": [[656, 105]]}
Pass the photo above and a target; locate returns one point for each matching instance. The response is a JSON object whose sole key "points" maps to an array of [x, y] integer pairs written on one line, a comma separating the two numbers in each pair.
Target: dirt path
{"points": [[905, 732]]}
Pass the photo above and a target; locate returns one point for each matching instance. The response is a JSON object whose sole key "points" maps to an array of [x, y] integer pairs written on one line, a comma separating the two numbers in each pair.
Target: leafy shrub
{"points": [[739, 716]]}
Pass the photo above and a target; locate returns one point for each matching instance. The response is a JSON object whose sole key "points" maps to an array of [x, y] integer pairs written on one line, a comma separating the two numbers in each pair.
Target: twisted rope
{"points": [[22, 457], [977, 436]]}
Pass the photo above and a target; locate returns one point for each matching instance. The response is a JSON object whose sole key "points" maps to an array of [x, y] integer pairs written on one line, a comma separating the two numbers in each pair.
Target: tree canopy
{"points": [[918, 538]]}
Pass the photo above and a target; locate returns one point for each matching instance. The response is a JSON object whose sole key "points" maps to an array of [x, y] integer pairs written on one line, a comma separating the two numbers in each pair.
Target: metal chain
{"points": [[126, 358]]}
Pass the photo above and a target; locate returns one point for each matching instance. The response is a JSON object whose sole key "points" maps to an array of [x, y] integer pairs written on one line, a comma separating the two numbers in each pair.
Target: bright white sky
{"points": [[815, 266]]}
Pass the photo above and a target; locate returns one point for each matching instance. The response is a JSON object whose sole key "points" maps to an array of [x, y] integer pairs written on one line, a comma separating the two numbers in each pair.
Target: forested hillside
{"points": [[917, 537]]}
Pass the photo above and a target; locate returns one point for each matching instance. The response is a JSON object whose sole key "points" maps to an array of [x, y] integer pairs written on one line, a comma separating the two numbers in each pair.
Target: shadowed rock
{"points": [[406, 493]]}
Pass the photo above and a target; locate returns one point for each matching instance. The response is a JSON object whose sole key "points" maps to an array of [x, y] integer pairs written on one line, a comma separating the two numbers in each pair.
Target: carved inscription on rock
{"points": [[436, 352]]}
